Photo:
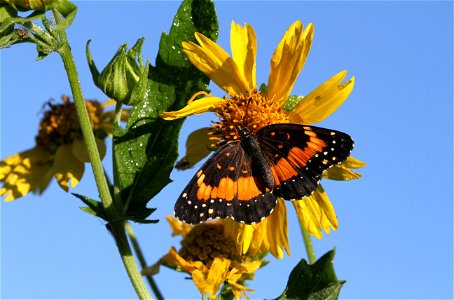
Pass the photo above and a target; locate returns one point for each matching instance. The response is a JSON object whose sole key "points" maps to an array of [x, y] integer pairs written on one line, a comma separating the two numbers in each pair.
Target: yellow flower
{"points": [[255, 109], [210, 256], [59, 151]]}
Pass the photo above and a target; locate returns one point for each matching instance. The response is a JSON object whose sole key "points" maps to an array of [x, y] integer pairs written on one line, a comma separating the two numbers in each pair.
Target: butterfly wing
{"points": [[298, 155], [225, 187]]}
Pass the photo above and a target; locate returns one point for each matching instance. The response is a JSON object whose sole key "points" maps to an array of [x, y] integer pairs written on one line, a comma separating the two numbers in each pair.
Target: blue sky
{"points": [[395, 236]]}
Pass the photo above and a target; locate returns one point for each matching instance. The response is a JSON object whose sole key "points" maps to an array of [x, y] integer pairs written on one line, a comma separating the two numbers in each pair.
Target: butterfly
{"points": [[243, 179]]}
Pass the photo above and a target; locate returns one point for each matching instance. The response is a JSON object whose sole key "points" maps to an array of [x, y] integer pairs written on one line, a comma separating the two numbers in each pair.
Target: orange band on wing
{"points": [[247, 188]]}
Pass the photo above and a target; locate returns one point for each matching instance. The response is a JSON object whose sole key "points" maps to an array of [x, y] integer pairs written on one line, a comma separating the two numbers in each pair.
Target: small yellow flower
{"points": [[59, 151], [254, 109], [210, 257]]}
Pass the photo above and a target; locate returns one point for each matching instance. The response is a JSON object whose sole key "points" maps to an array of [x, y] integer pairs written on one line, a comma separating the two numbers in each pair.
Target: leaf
{"points": [[313, 282], [94, 207], [146, 150]]}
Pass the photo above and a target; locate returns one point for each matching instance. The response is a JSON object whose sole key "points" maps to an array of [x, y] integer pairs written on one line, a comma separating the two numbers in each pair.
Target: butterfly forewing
{"points": [[298, 155], [225, 187]]}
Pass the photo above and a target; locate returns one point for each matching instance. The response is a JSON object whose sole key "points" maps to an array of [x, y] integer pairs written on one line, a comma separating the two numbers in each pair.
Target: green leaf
{"points": [[313, 282], [94, 207], [146, 150]]}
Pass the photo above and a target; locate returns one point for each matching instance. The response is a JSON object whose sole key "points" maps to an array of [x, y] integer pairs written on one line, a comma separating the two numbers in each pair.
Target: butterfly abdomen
{"points": [[260, 167]]}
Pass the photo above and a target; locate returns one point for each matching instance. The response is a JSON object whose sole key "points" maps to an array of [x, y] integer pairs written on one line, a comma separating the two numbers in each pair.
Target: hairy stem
{"points": [[116, 224], [141, 258]]}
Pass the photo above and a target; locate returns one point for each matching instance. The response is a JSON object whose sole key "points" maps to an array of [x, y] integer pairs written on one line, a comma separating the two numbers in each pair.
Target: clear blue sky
{"points": [[395, 237]]}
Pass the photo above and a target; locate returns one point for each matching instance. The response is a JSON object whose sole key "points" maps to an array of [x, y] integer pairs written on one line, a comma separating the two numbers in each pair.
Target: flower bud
{"points": [[125, 77]]}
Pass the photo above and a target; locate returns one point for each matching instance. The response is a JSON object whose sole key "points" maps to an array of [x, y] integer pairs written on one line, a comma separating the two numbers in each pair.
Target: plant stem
{"points": [[141, 258], [309, 247], [118, 231], [87, 131], [116, 224]]}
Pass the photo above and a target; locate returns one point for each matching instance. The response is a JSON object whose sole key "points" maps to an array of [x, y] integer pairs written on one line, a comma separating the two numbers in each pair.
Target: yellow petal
{"points": [[67, 167], [288, 60], [277, 230], [316, 212], [25, 172], [178, 227], [216, 276], [80, 150], [198, 146], [244, 48], [342, 171], [194, 107], [353, 163], [215, 63], [323, 101]]}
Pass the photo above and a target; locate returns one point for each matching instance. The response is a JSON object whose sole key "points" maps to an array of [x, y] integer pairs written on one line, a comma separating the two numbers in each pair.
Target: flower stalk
{"points": [[116, 224], [141, 258], [308, 245]]}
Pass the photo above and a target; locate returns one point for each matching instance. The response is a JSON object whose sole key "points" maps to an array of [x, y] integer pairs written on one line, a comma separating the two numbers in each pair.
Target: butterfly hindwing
{"points": [[225, 187], [298, 155]]}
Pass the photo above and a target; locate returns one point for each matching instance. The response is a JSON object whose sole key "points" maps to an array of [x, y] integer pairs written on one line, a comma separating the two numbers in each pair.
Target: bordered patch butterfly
{"points": [[243, 178]]}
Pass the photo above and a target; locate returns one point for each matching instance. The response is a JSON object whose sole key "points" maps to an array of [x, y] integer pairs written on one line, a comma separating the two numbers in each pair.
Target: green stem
{"points": [[141, 258], [119, 233], [116, 177], [87, 131], [117, 226], [309, 247]]}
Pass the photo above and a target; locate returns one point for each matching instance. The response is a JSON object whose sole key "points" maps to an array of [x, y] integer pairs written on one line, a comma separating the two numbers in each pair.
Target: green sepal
{"points": [[93, 207], [91, 64], [313, 282], [146, 150], [292, 102], [125, 78]]}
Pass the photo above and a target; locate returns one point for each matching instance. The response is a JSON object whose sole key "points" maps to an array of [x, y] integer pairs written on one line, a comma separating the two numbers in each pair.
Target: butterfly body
{"points": [[243, 178]]}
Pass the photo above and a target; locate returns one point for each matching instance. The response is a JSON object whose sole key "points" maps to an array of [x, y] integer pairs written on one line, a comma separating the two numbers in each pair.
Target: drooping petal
{"points": [[178, 227], [67, 167], [215, 63], [323, 101], [316, 212], [198, 146], [194, 107], [25, 172], [277, 230], [343, 170], [288, 60], [269, 235], [244, 48], [216, 276]]}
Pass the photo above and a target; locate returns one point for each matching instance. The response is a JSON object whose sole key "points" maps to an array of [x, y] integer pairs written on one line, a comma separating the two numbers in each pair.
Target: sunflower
{"points": [[256, 108], [210, 257], [59, 152]]}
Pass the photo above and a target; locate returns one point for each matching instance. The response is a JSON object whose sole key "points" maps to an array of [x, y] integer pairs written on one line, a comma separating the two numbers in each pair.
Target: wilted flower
{"points": [[210, 257], [59, 151]]}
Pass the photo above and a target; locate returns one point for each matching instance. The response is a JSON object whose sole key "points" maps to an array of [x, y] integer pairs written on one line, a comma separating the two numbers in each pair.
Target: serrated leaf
{"points": [[145, 152], [313, 282]]}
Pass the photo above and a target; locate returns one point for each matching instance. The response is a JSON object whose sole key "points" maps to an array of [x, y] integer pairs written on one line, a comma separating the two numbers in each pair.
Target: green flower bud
{"points": [[125, 77]]}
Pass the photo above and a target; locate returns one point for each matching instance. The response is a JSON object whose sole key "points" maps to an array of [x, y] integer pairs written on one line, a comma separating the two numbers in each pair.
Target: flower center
{"points": [[254, 111], [60, 125], [207, 241]]}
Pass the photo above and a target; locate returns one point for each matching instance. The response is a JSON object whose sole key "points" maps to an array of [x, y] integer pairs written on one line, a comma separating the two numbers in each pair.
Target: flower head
{"points": [[246, 106], [59, 151], [210, 256]]}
